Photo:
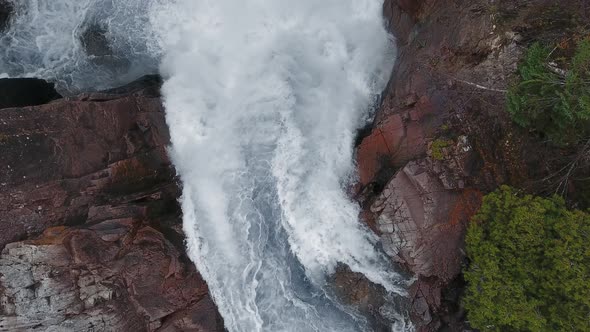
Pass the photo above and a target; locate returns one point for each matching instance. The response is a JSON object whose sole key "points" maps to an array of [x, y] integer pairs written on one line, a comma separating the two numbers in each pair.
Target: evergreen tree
{"points": [[530, 265]]}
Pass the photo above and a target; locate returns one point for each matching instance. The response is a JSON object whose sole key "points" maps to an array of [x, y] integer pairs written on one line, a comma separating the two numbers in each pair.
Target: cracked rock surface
{"points": [[91, 229]]}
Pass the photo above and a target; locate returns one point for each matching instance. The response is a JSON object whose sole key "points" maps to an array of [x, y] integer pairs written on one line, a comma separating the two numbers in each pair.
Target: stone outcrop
{"points": [[422, 226], [97, 46], [422, 214], [116, 275], [422, 170], [442, 136], [95, 42], [91, 228], [6, 10]]}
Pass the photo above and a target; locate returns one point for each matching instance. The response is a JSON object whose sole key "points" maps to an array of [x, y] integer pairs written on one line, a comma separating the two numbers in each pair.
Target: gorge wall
{"points": [[90, 230], [442, 136]]}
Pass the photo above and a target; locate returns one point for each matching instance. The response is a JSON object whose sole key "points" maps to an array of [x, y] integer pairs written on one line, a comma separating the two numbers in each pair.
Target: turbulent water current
{"points": [[263, 99]]}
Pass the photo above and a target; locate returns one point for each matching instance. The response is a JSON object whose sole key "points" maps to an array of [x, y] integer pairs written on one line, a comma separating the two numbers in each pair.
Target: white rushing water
{"points": [[44, 41], [263, 99]]}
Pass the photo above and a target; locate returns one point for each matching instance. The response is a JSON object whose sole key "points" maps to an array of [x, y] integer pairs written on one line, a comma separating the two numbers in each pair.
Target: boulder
{"points": [[422, 224], [381, 308], [95, 42], [97, 46]]}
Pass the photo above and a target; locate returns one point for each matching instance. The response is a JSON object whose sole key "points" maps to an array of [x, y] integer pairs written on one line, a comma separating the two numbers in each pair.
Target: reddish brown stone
{"points": [[90, 276], [422, 207], [379, 147], [63, 159], [91, 174]]}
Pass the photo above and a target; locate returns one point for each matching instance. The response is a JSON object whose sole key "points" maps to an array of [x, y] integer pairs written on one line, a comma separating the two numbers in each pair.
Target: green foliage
{"points": [[552, 101], [530, 265], [437, 148]]}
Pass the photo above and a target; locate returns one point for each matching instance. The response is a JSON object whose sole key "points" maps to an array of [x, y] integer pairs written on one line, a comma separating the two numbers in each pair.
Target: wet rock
{"points": [[95, 42], [6, 10], [417, 199], [96, 45], [391, 144], [148, 85], [196, 318], [372, 301], [21, 92]]}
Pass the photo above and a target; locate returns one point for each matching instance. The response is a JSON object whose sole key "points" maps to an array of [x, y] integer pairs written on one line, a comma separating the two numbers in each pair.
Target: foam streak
{"points": [[263, 99]]}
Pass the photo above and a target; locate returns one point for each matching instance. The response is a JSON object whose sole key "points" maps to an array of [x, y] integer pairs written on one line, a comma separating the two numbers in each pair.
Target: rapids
{"points": [[263, 100]]}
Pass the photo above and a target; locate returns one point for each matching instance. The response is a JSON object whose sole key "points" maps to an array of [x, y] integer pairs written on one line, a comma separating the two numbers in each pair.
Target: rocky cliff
{"points": [[442, 137], [91, 230]]}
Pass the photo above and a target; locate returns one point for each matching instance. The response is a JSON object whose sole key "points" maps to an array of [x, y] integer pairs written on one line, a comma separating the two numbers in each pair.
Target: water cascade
{"points": [[263, 99]]}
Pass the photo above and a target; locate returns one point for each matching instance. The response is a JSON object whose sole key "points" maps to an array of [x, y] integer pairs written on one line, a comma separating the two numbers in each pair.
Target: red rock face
{"points": [[411, 7], [89, 196], [423, 199], [114, 275], [63, 160], [394, 141]]}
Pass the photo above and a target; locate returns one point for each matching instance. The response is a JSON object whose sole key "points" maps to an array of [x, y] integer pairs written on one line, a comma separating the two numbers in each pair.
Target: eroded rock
{"points": [[118, 275], [91, 227], [418, 199], [61, 159]]}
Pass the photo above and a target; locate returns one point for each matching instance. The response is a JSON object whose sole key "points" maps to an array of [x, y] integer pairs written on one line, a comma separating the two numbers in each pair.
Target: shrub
{"points": [[437, 147], [530, 265], [554, 102]]}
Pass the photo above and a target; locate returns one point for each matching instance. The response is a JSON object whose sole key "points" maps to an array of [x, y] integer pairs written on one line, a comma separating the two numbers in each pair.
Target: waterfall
{"points": [[263, 99]]}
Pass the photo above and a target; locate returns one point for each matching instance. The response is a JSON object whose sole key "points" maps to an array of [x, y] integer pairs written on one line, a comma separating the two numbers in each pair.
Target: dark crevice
{"points": [[6, 10], [22, 92]]}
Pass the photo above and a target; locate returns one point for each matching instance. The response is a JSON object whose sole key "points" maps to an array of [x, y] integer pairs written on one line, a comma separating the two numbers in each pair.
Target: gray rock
{"points": [[70, 280], [6, 10]]}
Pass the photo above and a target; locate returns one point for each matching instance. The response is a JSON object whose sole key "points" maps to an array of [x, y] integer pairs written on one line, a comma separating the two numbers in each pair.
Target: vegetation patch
{"points": [[552, 95], [437, 148], [529, 265]]}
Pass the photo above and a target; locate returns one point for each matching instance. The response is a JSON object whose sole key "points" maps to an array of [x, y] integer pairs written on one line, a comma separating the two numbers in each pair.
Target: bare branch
{"points": [[480, 86]]}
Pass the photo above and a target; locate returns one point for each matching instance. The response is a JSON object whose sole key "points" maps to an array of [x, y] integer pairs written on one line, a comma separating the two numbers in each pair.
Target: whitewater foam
{"points": [[44, 40], [263, 99]]}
